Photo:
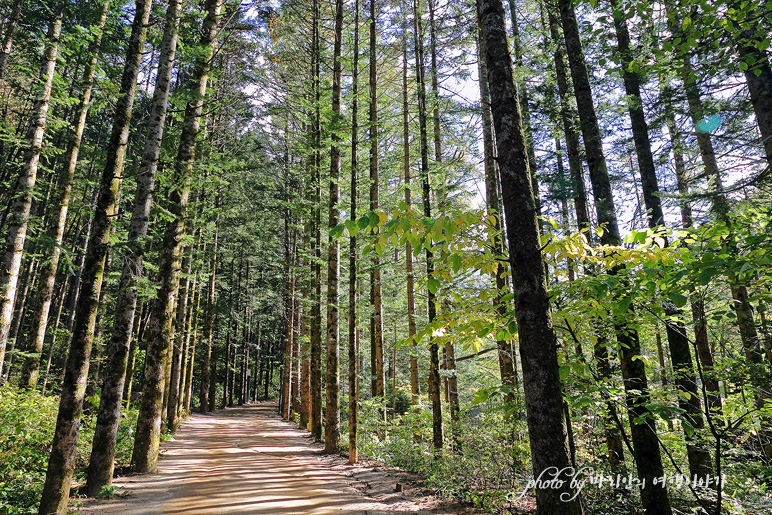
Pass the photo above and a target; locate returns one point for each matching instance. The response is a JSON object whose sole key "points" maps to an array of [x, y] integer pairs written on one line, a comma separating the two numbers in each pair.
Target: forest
{"points": [[522, 249]]}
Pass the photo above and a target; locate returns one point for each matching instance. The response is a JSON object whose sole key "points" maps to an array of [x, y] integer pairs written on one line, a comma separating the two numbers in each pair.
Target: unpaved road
{"points": [[246, 460]]}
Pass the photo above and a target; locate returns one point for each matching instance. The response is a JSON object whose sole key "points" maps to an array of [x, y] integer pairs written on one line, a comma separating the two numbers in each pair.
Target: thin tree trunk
{"points": [[54, 333], [28, 278], [180, 339], [315, 370], [640, 129], [206, 375], [524, 105], [568, 117], [286, 382], [538, 345], [415, 388], [758, 76], [19, 215], [64, 448], [332, 378], [699, 458], [61, 200], [376, 322], [450, 361], [192, 340], [434, 354], [505, 353], [646, 445], [10, 32], [132, 359]]}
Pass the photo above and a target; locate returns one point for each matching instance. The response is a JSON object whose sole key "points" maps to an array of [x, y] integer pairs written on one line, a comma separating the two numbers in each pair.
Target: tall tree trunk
{"points": [[699, 458], [54, 333], [230, 346], [758, 76], [568, 117], [64, 448], [332, 378], [28, 278], [415, 388], [180, 343], [525, 109], [719, 206], [376, 322], [353, 342], [132, 358], [505, 353], [206, 372], [286, 380], [450, 360], [762, 85], [646, 445], [161, 330], [192, 340], [18, 217], [56, 224], [100, 470], [640, 129], [434, 352], [315, 371], [538, 345]]}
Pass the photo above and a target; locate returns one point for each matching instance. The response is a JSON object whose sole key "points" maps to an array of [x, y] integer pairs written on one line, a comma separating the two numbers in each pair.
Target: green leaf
{"points": [[433, 285], [336, 231], [678, 299], [352, 227], [456, 262], [363, 222], [512, 327], [480, 396]]}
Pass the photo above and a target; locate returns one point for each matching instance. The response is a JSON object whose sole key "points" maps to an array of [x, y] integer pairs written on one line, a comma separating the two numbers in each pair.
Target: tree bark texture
{"points": [[538, 345], [332, 379], [161, 330], [61, 462], [56, 224], [19, 215]]}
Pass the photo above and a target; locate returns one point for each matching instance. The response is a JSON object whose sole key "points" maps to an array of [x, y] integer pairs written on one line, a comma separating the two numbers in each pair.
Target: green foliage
{"points": [[27, 423]]}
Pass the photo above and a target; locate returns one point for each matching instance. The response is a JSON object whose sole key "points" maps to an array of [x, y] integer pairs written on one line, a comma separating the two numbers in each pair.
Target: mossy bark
{"points": [[61, 462], [161, 331]]}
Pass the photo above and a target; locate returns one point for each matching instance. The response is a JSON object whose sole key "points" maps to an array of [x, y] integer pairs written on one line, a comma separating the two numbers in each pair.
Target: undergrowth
{"points": [[27, 423]]}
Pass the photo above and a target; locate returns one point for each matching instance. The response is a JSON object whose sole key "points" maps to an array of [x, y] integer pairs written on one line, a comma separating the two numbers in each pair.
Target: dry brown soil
{"points": [[247, 460]]}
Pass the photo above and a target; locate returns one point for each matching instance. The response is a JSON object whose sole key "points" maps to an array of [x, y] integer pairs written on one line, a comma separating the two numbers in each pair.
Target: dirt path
{"points": [[246, 460]]}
